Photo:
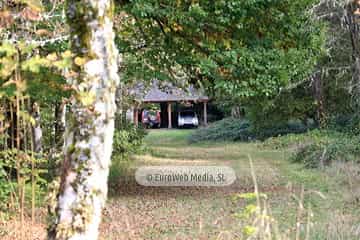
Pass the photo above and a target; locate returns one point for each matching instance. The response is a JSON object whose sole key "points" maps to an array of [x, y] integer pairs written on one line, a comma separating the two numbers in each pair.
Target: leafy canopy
{"points": [[244, 49]]}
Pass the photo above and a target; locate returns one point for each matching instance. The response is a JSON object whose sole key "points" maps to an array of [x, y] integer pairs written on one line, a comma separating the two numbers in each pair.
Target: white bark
{"points": [[37, 131], [90, 127]]}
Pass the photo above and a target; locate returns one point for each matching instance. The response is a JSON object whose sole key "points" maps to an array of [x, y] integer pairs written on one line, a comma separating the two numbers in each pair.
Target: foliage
{"points": [[330, 90], [15, 164], [229, 129], [240, 50], [127, 140], [297, 103], [318, 148], [233, 129], [6, 186], [290, 141], [324, 151], [349, 123], [29, 72], [295, 126]]}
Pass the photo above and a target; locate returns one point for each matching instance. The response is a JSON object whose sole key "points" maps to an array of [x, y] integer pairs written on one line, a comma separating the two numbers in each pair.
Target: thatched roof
{"points": [[167, 93]]}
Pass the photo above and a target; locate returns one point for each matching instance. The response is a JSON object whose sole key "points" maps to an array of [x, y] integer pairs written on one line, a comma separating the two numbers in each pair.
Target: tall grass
{"points": [[258, 222]]}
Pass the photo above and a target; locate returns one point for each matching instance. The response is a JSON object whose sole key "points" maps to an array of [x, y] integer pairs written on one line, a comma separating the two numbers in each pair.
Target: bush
{"points": [[345, 123], [293, 140], [233, 129], [318, 147], [128, 140], [324, 151], [16, 172], [228, 129]]}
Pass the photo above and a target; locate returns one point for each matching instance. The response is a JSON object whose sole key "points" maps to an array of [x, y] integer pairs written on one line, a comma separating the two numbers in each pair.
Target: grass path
{"points": [[136, 212]]}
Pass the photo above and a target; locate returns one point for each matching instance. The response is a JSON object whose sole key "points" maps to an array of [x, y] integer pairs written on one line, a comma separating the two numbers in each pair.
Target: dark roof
{"points": [[168, 93]]}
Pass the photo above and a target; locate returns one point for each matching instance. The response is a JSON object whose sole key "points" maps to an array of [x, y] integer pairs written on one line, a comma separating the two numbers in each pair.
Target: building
{"points": [[170, 98]]}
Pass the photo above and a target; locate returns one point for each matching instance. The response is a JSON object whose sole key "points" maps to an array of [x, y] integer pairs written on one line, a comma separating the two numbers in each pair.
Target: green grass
{"points": [[203, 213], [167, 138]]}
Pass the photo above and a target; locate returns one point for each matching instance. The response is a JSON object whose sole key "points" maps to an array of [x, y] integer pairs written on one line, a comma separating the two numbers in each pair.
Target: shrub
{"points": [[6, 188], [324, 151], [346, 123], [228, 129], [318, 147], [293, 140], [128, 140], [16, 172], [233, 129]]}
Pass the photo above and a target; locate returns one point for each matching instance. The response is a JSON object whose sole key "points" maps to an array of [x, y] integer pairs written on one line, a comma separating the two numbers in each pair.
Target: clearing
{"points": [[136, 212]]}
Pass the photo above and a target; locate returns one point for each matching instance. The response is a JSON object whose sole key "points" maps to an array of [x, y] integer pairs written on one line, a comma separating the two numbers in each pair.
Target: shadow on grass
{"points": [[126, 186]]}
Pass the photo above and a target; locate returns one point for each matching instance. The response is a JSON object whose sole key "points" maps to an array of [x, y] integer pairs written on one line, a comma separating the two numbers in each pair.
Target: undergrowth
{"points": [[258, 222], [234, 129], [228, 129], [318, 148], [128, 141]]}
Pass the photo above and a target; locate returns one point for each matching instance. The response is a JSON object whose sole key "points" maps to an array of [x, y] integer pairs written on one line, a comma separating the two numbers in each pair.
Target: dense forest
{"points": [[280, 74]]}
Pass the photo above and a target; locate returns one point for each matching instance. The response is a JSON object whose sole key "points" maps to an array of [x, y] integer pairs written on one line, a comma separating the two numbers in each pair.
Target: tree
{"points": [[90, 121], [335, 80], [244, 52], [21, 60], [352, 14]]}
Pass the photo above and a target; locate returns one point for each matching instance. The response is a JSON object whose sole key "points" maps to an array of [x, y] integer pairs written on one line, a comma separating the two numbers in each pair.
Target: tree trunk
{"points": [[318, 92], [237, 112], [352, 21], [89, 123], [59, 124], [36, 130]]}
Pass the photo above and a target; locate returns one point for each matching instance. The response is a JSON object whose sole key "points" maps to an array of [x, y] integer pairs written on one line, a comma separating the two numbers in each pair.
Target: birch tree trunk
{"points": [[36, 130], [89, 123]]}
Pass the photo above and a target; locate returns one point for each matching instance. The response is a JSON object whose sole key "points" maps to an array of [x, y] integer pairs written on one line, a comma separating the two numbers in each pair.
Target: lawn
{"points": [[136, 212]]}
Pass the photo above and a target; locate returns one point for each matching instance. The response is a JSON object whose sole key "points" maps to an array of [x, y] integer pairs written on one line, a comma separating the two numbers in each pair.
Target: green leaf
{"points": [[35, 5], [33, 64], [27, 117], [26, 48], [8, 48], [86, 98], [8, 65]]}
